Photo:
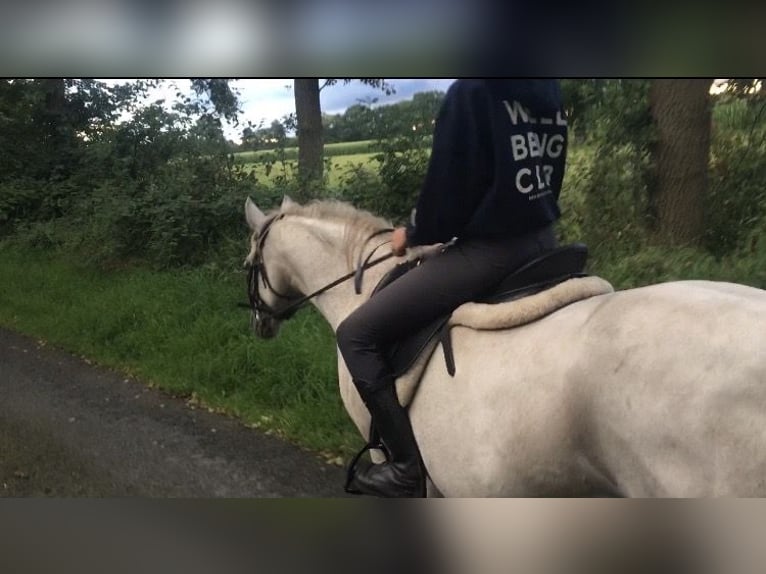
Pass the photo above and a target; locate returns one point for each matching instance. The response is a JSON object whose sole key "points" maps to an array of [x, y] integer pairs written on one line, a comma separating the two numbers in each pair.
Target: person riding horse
{"points": [[492, 185]]}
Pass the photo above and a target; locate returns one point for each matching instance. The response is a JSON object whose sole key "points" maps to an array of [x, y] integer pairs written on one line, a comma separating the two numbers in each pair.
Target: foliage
{"points": [[377, 83], [737, 198], [44, 137], [19, 198], [365, 120], [607, 195], [362, 187], [265, 138], [657, 264], [748, 88], [222, 98], [402, 168], [608, 185], [362, 121], [159, 186], [609, 113]]}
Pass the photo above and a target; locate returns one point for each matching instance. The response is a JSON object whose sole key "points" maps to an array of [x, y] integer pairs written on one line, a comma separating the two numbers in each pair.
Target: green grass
{"points": [[271, 166], [340, 168], [182, 332], [291, 153]]}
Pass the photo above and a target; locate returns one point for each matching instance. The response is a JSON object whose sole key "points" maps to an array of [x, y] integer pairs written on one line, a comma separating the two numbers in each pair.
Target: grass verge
{"points": [[181, 331]]}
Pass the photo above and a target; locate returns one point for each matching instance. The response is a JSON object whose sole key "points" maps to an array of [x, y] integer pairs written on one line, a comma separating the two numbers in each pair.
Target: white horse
{"points": [[655, 391]]}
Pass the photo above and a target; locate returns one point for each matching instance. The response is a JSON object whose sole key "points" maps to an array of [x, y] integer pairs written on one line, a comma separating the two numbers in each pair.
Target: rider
{"points": [[493, 181]]}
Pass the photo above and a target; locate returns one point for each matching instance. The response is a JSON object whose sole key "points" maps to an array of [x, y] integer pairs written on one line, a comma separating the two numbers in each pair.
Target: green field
{"points": [[291, 153], [273, 166], [340, 167]]}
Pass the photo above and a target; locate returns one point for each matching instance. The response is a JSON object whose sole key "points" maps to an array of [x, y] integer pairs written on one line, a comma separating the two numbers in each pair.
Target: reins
{"points": [[257, 305]]}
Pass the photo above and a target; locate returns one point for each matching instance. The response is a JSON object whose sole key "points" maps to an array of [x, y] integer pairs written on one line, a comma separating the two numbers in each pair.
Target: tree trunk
{"points": [[681, 113], [55, 100], [54, 127], [310, 148]]}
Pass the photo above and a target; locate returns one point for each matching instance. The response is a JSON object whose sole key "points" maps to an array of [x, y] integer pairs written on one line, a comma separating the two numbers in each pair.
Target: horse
{"points": [[657, 391]]}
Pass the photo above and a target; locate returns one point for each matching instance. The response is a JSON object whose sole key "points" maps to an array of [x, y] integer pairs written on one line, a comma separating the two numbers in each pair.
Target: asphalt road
{"points": [[69, 429]]}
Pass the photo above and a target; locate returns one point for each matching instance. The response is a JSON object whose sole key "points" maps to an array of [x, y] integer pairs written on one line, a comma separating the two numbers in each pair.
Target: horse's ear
{"points": [[254, 216], [287, 202]]}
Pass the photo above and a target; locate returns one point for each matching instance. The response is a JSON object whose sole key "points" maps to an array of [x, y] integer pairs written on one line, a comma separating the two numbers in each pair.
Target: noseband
{"points": [[257, 272]]}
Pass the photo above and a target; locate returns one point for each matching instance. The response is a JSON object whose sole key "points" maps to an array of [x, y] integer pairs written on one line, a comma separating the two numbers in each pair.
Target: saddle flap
{"points": [[402, 354]]}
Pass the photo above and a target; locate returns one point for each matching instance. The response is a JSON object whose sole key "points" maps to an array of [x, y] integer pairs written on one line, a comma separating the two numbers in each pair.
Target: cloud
{"points": [[335, 99], [264, 100], [271, 99]]}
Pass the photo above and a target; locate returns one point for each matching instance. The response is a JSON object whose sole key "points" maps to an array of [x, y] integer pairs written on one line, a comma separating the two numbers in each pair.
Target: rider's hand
{"points": [[399, 241]]}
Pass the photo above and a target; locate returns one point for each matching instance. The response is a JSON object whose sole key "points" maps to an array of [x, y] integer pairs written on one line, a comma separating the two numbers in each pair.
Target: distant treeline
{"points": [[362, 121]]}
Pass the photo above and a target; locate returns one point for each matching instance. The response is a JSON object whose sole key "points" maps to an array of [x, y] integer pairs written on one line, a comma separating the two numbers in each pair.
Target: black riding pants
{"points": [[463, 271]]}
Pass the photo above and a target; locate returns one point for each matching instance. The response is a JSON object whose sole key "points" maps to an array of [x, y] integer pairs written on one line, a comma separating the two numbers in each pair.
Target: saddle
{"points": [[546, 271]]}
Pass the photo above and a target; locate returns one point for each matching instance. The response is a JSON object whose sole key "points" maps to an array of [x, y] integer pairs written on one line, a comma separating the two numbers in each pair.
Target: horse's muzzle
{"points": [[264, 326]]}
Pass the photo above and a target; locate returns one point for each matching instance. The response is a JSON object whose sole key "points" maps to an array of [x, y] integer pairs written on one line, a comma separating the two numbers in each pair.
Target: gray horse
{"points": [[656, 391]]}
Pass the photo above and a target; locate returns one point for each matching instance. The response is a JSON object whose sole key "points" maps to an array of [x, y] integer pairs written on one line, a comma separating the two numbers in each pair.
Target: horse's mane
{"points": [[358, 223]]}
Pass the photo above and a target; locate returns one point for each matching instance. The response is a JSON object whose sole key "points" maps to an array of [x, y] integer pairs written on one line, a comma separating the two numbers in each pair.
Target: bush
{"points": [[362, 187], [180, 215], [603, 201], [392, 190], [19, 199], [402, 166], [656, 264], [158, 188], [736, 199]]}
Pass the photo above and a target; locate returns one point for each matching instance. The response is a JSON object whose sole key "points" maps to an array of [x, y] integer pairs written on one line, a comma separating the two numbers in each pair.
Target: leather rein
{"points": [[257, 271]]}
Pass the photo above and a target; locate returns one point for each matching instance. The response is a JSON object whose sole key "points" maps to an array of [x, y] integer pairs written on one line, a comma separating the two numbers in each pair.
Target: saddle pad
{"points": [[483, 316], [494, 316]]}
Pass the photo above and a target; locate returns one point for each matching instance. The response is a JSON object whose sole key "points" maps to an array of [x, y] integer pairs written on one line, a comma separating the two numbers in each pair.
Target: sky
{"points": [[266, 100]]}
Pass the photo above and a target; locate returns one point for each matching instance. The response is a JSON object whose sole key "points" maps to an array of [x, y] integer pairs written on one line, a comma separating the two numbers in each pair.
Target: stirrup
{"points": [[351, 471]]}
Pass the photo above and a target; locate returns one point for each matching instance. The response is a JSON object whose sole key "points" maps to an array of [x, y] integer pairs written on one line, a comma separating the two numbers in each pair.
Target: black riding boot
{"points": [[403, 474]]}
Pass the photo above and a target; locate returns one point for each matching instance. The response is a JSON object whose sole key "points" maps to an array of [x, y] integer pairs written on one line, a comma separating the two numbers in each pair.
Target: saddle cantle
{"points": [[543, 272]]}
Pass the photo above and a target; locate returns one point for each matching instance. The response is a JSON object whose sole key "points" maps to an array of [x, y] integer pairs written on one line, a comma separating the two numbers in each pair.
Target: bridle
{"points": [[257, 272], [259, 307]]}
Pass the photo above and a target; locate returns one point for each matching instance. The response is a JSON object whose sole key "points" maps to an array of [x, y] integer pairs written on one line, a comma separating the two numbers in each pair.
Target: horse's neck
{"points": [[318, 255]]}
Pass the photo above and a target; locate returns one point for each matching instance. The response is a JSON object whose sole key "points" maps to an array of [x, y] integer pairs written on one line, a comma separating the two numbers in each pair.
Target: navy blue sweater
{"points": [[497, 162]]}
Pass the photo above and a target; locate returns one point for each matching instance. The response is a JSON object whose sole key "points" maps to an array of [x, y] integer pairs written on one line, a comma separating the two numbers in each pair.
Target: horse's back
{"points": [[676, 381], [659, 390]]}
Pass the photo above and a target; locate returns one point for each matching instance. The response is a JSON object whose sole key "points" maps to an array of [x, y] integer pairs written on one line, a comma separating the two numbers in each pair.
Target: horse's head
{"points": [[269, 288]]}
